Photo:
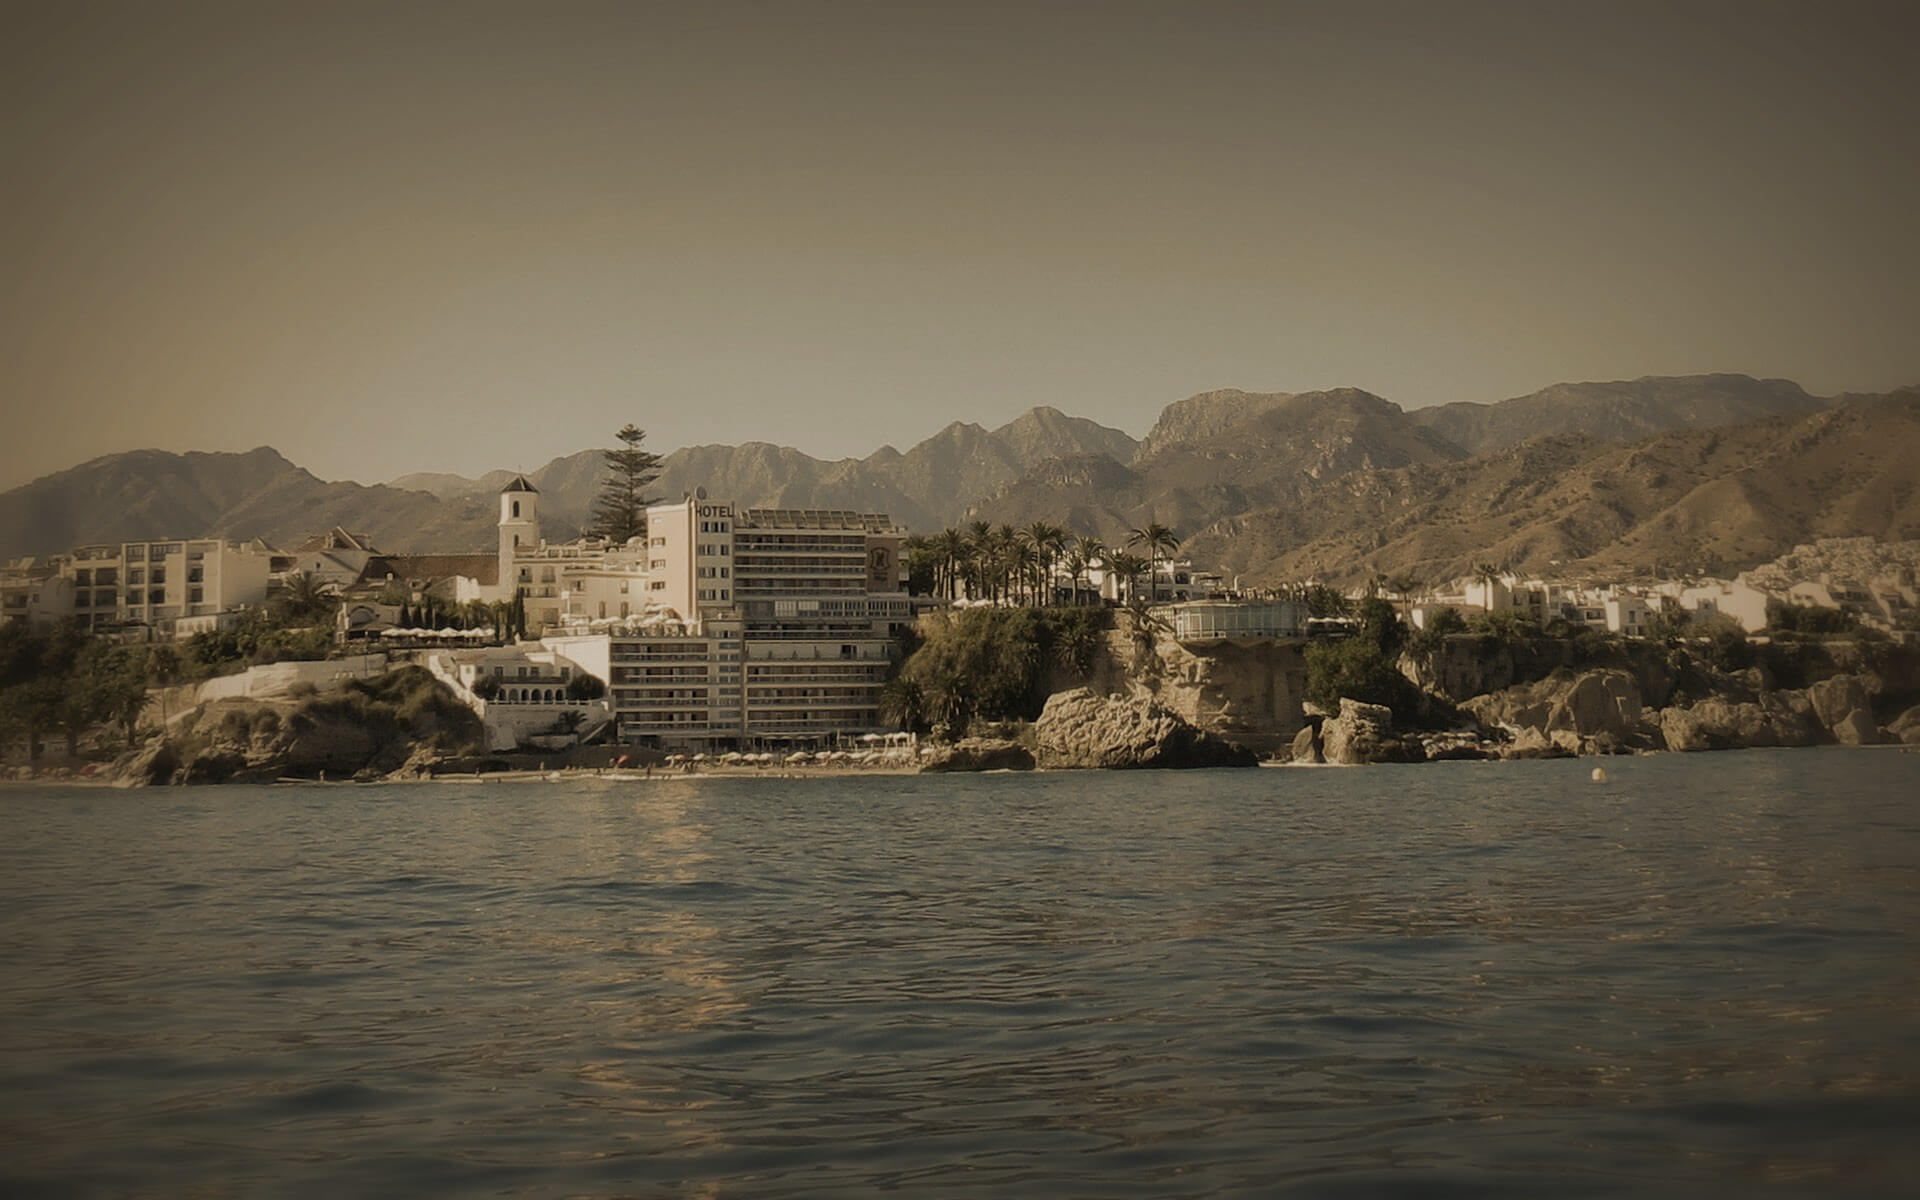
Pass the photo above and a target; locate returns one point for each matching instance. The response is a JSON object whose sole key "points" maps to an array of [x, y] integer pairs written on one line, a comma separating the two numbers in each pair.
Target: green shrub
{"points": [[992, 664]]}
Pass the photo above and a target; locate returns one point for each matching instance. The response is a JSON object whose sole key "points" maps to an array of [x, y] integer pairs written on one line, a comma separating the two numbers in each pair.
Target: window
{"points": [[159, 575], [516, 513], [133, 598], [137, 575], [194, 596], [157, 596]]}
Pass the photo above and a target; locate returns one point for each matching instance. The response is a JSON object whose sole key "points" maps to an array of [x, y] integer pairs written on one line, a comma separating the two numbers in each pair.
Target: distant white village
{"points": [[738, 629]]}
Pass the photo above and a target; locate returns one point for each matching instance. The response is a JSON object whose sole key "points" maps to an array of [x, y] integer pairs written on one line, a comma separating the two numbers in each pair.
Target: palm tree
{"points": [[903, 703], [1405, 585], [1126, 568], [1049, 542], [1022, 562], [979, 558], [304, 596], [1076, 566], [1091, 550], [951, 545], [1156, 538], [1489, 574]]}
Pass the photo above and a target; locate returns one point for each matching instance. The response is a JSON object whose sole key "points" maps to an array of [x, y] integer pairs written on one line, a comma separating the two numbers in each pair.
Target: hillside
{"points": [[1274, 482], [152, 493], [1702, 499], [924, 488], [1229, 453], [1621, 411]]}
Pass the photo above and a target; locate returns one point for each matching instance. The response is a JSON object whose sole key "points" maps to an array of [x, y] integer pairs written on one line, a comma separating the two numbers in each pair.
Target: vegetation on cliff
{"points": [[990, 664], [61, 681], [1364, 666], [371, 725]]}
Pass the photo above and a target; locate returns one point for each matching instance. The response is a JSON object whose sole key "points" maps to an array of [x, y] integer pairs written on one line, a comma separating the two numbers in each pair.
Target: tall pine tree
{"points": [[621, 511]]}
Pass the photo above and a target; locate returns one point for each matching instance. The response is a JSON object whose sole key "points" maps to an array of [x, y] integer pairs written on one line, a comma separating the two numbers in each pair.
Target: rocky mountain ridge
{"points": [[1270, 486]]}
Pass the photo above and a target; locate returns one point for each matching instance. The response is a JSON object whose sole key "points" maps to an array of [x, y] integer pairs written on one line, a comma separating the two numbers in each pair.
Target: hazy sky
{"points": [[457, 236]]}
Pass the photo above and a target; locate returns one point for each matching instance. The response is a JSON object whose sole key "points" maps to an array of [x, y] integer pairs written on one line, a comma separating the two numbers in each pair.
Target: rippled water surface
{"points": [[1448, 979]]}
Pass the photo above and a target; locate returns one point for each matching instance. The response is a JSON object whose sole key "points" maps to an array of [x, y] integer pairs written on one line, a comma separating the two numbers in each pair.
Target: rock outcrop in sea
{"points": [[979, 754], [1363, 733], [1080, 728]]}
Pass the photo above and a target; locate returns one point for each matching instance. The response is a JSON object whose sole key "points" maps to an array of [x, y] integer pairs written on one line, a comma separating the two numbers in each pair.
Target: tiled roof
{"points": [[425, 568], [520, 484]]}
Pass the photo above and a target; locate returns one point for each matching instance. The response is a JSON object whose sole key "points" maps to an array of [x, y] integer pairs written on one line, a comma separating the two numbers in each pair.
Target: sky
{"points": [[462, 236]]}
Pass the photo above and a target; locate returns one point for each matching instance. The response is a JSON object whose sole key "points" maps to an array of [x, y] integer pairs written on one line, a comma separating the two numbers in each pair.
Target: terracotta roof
{"points": [[520, 484], [425, 568]]}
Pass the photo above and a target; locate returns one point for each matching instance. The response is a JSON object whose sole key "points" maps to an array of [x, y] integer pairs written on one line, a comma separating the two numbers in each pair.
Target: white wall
{"points": [[276, 678]]}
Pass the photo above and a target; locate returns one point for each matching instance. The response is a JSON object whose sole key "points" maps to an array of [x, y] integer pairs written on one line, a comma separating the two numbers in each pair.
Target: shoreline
{"points": [[789, 774]]}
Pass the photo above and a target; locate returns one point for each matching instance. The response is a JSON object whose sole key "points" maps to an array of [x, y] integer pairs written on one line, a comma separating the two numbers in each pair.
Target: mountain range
{"points": [[1712, 471]]}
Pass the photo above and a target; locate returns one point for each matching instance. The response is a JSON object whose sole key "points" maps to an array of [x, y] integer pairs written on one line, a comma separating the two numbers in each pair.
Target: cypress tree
{"points": [[621, 511]]}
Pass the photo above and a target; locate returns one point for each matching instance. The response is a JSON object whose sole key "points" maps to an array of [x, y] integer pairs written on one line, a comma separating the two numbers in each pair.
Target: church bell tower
{"points": [[519, 525]]}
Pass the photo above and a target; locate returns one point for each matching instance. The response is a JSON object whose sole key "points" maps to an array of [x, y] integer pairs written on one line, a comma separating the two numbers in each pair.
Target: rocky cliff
{"points": [[1248, 692], [365, 729], [1081, 729]]}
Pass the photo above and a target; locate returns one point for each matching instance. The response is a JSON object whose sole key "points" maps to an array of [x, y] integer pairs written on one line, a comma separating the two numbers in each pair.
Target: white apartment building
{"points": [[34, 592], [152, 583]]}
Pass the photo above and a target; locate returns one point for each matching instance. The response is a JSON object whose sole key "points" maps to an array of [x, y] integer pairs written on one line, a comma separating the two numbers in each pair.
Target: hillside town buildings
{"points": [[732, 628], [1882, 597]]}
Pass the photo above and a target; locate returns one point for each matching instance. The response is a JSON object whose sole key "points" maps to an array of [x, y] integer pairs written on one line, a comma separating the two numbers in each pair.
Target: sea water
{"points": [[1451, 979]]}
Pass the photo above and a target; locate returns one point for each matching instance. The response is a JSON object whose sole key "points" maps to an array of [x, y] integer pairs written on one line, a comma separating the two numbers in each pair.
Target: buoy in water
{"points": [[1599, 774]]}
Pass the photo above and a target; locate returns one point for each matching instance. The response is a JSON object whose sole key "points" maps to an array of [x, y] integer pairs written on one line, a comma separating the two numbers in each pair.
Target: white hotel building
{"points": [[761, 626]]}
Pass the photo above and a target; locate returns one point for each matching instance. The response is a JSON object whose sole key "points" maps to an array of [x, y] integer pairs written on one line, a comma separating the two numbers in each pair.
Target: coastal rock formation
{"points": [[364, 729], [1532, 743], [980, 754], [1716, 723], [1844, 706], [1081, 729], [1906, 727], [148, 765], [1248, 693], [1590, 705], [1363, 733], [1306, 746]]}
